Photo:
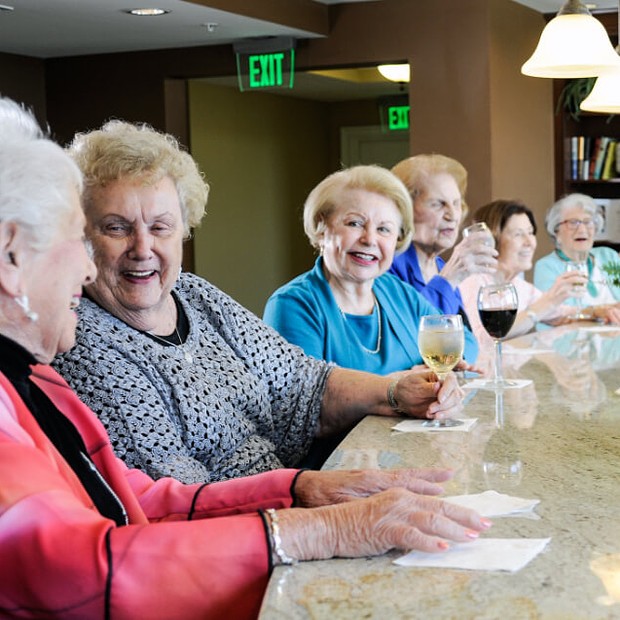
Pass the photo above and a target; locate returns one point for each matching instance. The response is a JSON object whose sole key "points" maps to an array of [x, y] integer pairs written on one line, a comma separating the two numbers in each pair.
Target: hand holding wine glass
{"points": [[497, 307], [441, 341]]}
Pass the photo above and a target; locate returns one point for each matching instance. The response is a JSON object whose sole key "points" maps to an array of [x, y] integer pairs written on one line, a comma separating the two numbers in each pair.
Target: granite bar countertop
{"points": [[556, 439]]}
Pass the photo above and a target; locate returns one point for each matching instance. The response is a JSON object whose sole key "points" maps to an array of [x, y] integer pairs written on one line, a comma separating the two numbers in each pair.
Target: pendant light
{"points": [[395, 73], [605, 96], [573, 44]]}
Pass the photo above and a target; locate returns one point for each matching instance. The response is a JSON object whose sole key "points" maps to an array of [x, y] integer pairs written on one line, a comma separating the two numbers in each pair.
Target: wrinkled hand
{"points": [[320, 488], [396, 518], [421, 395], [611, 314], [468, 257], [566, 285]]}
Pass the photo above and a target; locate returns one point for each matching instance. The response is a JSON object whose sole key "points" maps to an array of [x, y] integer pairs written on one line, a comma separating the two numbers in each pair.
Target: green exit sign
{"points": [[398, 117], [268, 63]]}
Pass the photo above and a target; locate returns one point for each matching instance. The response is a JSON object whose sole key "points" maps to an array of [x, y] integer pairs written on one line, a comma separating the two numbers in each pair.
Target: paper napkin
{"points": [[494, 504], [417, 426], [505, 554], [481, 384]]}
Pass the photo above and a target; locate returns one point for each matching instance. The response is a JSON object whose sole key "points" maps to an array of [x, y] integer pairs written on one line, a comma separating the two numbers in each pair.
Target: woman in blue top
{"points": [[347, 309], [572, 223], [437, 186]]}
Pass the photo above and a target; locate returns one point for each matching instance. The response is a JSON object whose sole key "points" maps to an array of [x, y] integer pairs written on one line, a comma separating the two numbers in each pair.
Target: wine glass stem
{"points": [[499, 375]]}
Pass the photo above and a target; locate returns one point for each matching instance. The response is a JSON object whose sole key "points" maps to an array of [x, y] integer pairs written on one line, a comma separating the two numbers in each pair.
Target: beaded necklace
{"points": [[378, 348]]}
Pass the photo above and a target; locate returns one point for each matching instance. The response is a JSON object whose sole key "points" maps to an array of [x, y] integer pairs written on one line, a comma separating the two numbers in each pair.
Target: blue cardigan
{"points": [[437, 290], [305, 312]]}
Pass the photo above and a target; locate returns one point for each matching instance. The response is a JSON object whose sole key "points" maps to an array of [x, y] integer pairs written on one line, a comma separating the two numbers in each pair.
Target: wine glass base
{"points": [[446, 423]]}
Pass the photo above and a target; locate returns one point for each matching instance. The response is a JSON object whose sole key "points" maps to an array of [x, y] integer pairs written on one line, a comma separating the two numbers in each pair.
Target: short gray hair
{"points": [[555, 214], [37, 177]]}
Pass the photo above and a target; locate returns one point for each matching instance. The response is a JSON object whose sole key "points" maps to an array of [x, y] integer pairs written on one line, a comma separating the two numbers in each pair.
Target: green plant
{"points": [[573, 94], [613, 271]]}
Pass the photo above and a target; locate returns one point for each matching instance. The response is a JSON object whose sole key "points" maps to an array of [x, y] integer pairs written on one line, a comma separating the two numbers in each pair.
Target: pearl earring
{"points": [[24, 303]]}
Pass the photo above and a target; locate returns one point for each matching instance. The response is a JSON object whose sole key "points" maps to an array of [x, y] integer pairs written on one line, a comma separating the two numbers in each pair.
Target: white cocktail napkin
{"points": [[417, 426], [481, 384], [494, 504], [506, 554]]}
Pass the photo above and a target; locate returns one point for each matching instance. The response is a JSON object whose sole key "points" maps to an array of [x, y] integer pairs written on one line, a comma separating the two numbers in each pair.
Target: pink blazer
{"points": [[60, 558]]}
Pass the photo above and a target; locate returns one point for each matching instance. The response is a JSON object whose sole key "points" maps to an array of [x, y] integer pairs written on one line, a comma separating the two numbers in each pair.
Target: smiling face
{"points": [[517, 244], [55, 287], [437, 213], [360, 237], [137, 235], [574, 240]]}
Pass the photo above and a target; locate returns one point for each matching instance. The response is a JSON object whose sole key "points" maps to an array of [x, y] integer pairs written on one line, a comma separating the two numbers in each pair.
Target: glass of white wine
{"points": [[441, 341], [580, 265], [480, 227]]}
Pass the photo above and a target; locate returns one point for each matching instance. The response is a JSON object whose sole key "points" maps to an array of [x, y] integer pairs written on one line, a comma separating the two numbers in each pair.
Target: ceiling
{"points": [[56, 28]]}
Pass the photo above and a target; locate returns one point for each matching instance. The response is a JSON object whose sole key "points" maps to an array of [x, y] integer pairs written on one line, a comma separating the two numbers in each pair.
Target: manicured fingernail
{"points": [[472, 534], [486, 523], [443, 545]]}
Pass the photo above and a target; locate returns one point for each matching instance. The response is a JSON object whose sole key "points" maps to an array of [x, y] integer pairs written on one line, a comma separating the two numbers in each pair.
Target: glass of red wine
{"points": [[497, 307]]}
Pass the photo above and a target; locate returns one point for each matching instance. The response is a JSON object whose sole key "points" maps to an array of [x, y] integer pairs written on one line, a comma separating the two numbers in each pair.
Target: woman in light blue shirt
{"points": [[572, 222]]}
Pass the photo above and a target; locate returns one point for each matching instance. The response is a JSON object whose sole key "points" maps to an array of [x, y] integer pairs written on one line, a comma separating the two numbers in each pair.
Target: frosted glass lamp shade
{"points": [[572, 46], [605, 96], [395, 73]]}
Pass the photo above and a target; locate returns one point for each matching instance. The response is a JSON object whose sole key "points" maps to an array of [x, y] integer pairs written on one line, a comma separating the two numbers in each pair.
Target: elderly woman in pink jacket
{"points": [[83, 536]]}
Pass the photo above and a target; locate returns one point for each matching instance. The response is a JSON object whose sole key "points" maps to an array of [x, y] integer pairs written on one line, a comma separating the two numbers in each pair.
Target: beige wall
{"points": [[521, 117], [261, 154], [467, 96]]}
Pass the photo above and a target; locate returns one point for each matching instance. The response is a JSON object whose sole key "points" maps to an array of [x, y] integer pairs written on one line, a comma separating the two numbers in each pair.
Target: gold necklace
{"points": [[378, 348], [186, 354]]}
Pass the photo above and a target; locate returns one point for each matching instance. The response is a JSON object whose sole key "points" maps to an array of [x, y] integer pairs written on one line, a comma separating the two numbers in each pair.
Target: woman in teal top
{"points": [[572, 222], [347, 309]]}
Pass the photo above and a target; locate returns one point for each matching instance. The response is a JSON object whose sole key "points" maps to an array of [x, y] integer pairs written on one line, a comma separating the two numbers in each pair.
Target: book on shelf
{"points": [[609, 164], [592, 158]]}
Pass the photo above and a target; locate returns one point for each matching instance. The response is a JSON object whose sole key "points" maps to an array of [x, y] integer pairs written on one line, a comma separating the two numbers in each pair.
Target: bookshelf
{"points": [[571, 134]]}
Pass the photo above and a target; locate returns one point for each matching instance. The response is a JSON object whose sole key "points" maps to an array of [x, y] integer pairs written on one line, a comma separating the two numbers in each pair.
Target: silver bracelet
{"points": [[533, 316], [391, 398], [275, 538]]}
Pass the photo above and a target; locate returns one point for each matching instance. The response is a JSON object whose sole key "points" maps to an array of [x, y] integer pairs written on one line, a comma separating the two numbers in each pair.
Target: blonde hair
{"points": [[323, 199], [120, 150], [414, 172]]}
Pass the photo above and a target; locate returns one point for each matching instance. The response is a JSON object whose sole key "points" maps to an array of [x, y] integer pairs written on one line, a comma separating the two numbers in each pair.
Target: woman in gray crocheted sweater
{"points": [[187, 382]]}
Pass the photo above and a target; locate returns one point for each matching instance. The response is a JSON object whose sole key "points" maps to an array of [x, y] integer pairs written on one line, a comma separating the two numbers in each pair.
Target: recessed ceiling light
{"points": [[147, 12], [6, 7]]}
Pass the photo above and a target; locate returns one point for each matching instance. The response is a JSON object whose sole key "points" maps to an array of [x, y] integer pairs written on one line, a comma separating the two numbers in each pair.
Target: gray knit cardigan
{"points": [[247, 402]]}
